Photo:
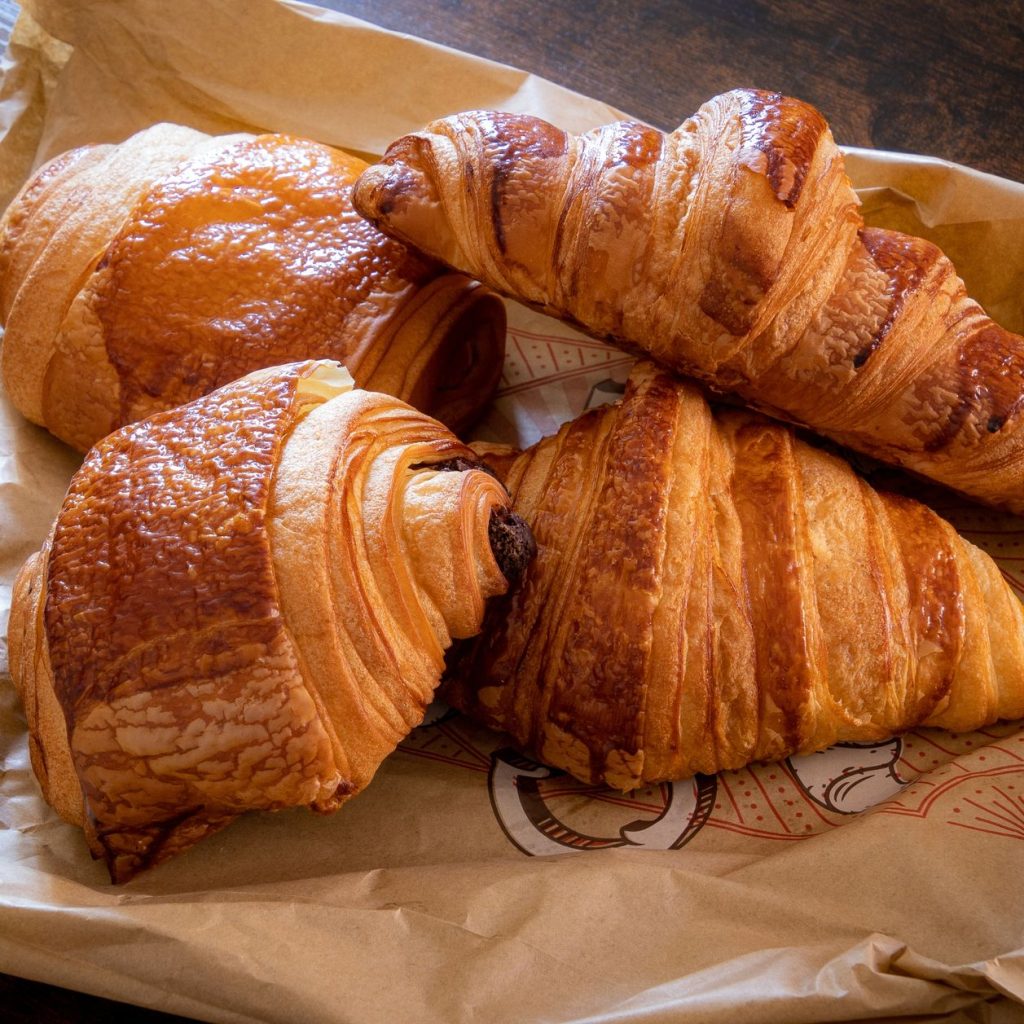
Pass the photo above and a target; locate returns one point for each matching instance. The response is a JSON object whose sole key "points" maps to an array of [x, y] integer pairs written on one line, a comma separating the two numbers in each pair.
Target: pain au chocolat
{"points": [[136, 277], [244, 605]]}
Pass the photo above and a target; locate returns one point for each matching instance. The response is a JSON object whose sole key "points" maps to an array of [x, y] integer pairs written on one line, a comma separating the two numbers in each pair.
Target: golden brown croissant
{"points": [[244, 604], [709, 590], [730, 250], [136, 277]]}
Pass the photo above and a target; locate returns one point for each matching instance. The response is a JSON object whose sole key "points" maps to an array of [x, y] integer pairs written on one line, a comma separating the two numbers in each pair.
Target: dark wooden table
{"points": [[943, 78]]}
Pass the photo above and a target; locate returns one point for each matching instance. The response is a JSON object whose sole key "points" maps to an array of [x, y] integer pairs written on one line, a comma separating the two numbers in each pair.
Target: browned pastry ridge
{"points": [[139, 276], [710, 591], [244, 604], [730, 250]]}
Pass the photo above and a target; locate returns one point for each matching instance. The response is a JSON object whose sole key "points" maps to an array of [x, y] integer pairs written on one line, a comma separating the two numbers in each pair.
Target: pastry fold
{"points": [[244, 604], [136, 277], [730, 250], [710, 590]]}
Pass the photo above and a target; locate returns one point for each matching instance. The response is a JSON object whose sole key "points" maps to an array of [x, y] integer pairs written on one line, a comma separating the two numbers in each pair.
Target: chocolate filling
{"points": [[512, 543], [511, 539], [459, 464]]}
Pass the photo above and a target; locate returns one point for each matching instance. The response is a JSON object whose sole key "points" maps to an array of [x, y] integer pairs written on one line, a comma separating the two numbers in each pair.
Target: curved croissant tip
{"points": [[399, 197], [383, 189], [512, 543]]}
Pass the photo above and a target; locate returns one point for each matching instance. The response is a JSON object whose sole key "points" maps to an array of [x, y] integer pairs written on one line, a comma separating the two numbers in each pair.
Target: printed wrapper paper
{"points": [[469, 883]]}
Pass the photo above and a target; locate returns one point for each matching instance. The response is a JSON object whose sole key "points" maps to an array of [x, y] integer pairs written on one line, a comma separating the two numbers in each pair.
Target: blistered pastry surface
{"points": [[242, 260], [168, 650]]}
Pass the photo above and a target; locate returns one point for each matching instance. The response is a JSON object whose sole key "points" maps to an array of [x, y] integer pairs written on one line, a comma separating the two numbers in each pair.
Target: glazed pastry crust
{"points": [[244, 604], [710, 591], [730, 250], [137, 277]]}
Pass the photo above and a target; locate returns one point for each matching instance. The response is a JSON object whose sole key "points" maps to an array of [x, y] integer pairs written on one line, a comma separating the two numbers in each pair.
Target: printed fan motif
{"points": [[973, 781]]}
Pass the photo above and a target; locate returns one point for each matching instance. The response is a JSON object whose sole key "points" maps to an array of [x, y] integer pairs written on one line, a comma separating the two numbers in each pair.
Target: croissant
{"points": [[730, 250], [710, 590], [244, 604], [136, 277]]}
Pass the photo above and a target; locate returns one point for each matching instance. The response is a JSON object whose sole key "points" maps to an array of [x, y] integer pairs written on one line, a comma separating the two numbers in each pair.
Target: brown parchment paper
{"points": [[467, 883]]}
